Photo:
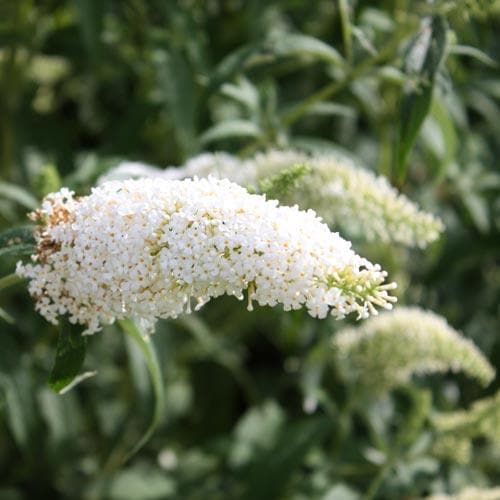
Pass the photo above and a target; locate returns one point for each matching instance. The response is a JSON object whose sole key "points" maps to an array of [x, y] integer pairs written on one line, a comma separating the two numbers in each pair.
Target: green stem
{"points": [[379, 478], [346, 28], [10, 280], [151, 359]]}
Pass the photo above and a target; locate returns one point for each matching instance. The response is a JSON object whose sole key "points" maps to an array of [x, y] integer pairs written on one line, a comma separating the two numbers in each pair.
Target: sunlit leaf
{"points": [[474, 52], [18, 194], [229, 129], [296, 44]]}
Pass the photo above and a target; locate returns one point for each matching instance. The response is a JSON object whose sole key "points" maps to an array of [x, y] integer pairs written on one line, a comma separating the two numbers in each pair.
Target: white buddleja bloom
{"points": [[353, 198], [470, 493], [145, 248], [346, 195], [386, 351]]}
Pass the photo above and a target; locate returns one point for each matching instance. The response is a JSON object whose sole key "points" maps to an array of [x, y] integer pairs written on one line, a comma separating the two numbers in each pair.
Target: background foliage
{"points": [[254, 404]]}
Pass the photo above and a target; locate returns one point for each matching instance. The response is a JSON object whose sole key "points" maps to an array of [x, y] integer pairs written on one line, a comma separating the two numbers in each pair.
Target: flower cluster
{"points": [[351, 197], [145, 248], [346, 195], [386, 351]]}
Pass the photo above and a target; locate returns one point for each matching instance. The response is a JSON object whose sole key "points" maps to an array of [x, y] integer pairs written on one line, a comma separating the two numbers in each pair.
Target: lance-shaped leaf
{"points": [[423, 60], [70, 354], [17, 241]]}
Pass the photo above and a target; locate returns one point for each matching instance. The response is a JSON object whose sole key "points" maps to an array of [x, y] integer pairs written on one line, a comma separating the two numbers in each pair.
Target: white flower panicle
{"points": [[386, 351], [353, 198], [145, 248], [345, 195]]}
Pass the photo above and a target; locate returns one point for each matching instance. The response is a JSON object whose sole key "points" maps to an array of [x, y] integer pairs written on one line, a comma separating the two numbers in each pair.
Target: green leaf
{"points": [[228, 129], [6, 317], [271, 470], [10, 280], [345, 22], [18, 194], [20, 411], [231, 65], [175, 78], [70, 354], [299, 45], [46, 180], [441, 115], [341, 492], [479, 55], [146, 345], [478, 210], [91, 15], [325, 108], [17, 241], [256, 432], [424, 58], [243, 92], [141, 482]]}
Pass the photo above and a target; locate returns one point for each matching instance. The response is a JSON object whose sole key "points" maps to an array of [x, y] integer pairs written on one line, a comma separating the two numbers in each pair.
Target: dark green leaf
{"points": [[91, 14], [70, 354], [424, 58], [176, 81], [17, 241], [270, 472]]}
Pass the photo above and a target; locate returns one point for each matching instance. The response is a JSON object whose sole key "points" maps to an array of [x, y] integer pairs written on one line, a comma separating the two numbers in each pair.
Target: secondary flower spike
{"points": [[145, 248], [386, 351]]}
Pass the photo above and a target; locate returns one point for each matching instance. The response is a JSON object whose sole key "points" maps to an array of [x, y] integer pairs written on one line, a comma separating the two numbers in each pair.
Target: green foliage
{"points": [[70, 354], [238, 404], [422, 61]]}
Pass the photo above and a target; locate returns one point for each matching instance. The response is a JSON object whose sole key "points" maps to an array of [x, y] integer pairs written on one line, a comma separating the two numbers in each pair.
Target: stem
{"points": [[346, 28], [9, 280], [379, 478], [151, 359]]}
